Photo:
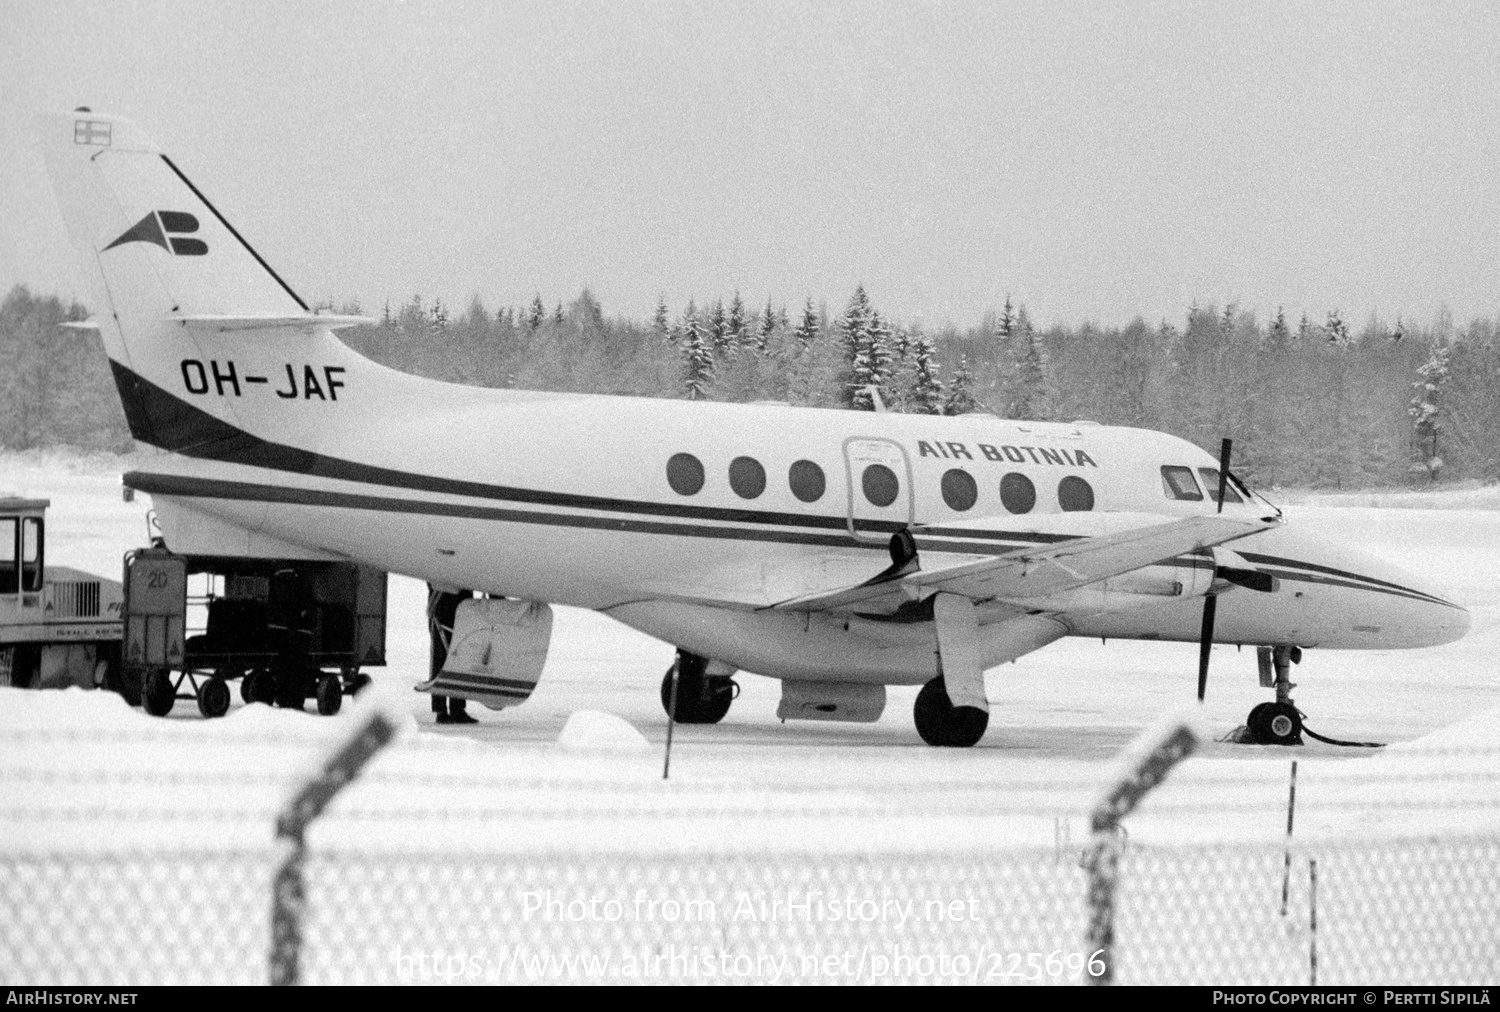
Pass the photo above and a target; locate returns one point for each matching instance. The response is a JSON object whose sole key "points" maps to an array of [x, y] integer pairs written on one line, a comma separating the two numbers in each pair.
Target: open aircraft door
{"points": [[880, 488]]}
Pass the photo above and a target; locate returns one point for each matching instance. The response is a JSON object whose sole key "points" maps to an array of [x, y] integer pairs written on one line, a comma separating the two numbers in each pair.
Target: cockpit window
{"points": [[1179, 483], [1211, 482]]}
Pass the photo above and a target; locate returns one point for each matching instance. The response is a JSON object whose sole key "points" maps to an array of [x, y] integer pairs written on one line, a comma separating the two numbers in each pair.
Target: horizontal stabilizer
{"points": [[297, 321]]}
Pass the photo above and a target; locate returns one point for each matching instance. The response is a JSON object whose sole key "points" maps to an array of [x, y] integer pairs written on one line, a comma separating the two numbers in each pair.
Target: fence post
{"points": [[1147, 763], [288, 893]]}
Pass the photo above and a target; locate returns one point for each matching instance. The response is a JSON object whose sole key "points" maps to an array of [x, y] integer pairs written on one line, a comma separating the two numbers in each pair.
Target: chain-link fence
{"points": [[1407, 912], [490, 893]]}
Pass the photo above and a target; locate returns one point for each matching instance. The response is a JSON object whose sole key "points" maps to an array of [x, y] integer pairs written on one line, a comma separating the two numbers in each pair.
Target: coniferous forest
{"points": [[1310, 403]]}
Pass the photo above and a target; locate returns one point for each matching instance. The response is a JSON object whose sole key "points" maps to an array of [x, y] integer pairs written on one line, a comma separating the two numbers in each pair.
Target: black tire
{"points": [[1257, 717], [258, 687], [358, 682], [127, 682], [330, 695], [1275, 724], [213, 697], [701, 698], [941, 723], [159, 694], [291, 685]]}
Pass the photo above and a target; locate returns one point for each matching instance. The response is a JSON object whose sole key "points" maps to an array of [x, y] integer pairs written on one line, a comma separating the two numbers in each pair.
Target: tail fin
{"points": [[154, 249]]}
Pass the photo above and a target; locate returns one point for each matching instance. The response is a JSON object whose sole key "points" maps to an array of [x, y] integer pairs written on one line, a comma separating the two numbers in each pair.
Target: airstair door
{"points": [[878, 477]]}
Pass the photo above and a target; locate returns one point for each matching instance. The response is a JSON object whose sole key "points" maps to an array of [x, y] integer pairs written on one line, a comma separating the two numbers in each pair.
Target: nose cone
{"points": [[1344, 597], [1394, 608], [1415, 612], [1437, 623]]}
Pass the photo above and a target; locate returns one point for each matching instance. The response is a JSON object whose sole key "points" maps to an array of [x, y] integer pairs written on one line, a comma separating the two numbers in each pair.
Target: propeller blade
{"points": [[1206, 642], [1224, 449]]}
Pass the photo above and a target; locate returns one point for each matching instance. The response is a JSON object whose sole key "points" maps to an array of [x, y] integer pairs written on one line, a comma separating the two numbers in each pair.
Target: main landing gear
{"points": [[1278, 723], [701, 698], [951, 710], [939, 722]]}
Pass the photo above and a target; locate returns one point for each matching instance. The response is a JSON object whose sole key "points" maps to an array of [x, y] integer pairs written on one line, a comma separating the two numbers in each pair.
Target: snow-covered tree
{"points": [[739, 331], [766, 329], [697, 355], [961, 390], [718, 329], [1034, 394], [1337, 330], [882, 367], [1280, 336], [925, 396], [807, 330], [537, 314], [1007, 320], [659, 323], [1427, 413], [854, 328]]}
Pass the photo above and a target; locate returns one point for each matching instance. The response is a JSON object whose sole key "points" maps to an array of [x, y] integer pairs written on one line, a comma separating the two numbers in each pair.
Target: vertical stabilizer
{"points": [[152, 245]]}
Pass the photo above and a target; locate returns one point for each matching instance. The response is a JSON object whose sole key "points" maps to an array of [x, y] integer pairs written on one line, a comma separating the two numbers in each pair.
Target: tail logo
{"points": [[166, 229]]}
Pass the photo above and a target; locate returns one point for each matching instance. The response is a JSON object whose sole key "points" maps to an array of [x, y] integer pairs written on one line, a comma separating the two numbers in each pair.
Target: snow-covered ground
{"points": [[82, 774]]}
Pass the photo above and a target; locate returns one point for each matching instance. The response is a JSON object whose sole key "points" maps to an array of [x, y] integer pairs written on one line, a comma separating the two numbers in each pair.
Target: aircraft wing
{"points": [[1032, 572]]}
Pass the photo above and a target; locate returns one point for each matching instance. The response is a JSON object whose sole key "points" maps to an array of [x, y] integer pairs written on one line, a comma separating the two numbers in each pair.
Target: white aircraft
{"points": [[838, 551]]}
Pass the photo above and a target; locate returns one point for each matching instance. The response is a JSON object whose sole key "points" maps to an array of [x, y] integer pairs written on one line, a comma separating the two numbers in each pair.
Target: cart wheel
{"points": [[159, 693], [358, 682], [290, 684], [257, 687], [330, 695], [125, 681], [213, 697]]}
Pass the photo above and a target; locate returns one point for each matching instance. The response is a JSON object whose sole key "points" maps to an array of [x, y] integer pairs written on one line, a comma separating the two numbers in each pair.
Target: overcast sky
{"points": [[1096, 160]]}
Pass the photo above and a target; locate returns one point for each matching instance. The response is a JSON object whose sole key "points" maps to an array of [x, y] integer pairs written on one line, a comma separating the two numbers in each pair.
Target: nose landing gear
{"points": [[1278, 723]]}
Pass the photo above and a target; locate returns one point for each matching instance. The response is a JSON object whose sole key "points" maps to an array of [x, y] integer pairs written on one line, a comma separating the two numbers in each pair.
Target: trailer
{"points": [[286, 629], [59, 626]]}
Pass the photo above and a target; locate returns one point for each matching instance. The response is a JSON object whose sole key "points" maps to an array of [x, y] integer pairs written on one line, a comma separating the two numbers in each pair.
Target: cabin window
{"points": [[959, 490], [1210, 477], [881, 485], [685, 474], [747, 477], [807, 481], [1017, 493], [9, 573], [1075, 495], [1179, 483], [31, 553]]}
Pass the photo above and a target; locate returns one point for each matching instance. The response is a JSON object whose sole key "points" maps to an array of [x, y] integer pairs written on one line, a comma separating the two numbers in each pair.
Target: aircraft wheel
{"points": [[213, 697], [1275, 724], [330, 695], [701, 699], [159, 693], [941, 723]]}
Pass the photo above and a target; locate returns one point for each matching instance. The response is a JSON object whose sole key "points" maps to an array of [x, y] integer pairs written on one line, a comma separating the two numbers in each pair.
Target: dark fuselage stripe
{"points": [[208, 488]]}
